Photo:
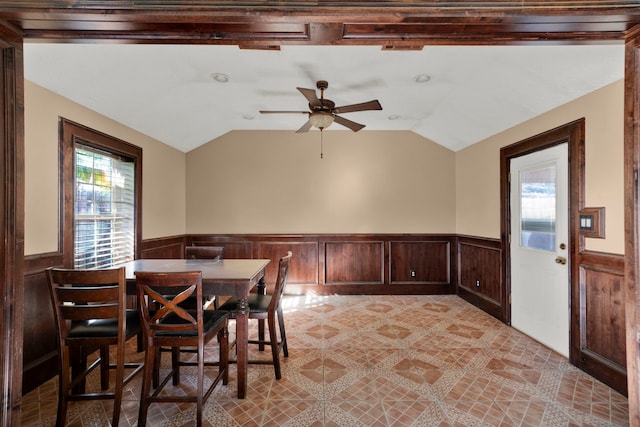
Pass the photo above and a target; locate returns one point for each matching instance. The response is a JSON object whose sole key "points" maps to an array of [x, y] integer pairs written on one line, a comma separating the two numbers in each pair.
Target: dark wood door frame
{"points": [[571, 133], [585, 338], [11, 223], [632, 220]]}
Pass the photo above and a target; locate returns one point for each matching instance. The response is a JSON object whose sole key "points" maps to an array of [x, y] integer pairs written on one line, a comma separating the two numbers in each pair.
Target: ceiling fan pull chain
{"points": [[321, 144]]}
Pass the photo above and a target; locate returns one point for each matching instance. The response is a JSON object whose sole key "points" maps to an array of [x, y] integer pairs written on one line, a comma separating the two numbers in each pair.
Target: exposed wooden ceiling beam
{"points": [[391, 24]]}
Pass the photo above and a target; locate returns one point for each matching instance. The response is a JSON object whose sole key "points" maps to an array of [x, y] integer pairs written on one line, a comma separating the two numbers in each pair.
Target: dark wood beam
{"points": [[392, 24]]}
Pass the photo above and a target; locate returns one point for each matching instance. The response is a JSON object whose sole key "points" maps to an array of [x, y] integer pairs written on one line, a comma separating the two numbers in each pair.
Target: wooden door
{"points": [[540, 246]]}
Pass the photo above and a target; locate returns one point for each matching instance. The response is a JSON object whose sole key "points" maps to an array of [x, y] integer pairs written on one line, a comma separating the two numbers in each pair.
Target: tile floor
{"points": [[383, 361]]}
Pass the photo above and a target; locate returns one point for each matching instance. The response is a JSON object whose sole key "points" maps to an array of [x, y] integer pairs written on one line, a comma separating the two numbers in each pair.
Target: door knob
{"points": [[561, 260]]}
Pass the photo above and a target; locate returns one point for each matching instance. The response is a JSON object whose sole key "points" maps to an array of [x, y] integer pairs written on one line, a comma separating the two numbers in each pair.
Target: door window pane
{"points": [[538, 208]]}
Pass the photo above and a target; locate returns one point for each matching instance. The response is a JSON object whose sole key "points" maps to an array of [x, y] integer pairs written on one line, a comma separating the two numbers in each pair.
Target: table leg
{"points": [[242, 345], [261, 287]]}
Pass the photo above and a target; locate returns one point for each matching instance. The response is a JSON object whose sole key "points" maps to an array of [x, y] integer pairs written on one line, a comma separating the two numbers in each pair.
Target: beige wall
{"points": [[478, 167], [163, 171], [368, 182], [275, 182]]}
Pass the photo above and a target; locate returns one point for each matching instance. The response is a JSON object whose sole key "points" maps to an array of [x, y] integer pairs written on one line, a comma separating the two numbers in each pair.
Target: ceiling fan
{"points": [[323, 112]]}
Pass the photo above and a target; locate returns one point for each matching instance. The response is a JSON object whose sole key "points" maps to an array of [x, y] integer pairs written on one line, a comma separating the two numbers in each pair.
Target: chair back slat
{"points": [[204, 252], [89, 311], [88, 294], [281, 281]]}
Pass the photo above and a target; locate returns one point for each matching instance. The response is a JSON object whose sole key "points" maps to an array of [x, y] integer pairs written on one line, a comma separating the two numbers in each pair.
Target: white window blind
{"points": [[104, 209]]}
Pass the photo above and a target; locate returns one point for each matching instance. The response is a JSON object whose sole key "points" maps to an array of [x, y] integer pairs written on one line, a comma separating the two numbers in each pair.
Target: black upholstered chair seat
{"points": [[257, 303], [210, 320], [104, 327]]}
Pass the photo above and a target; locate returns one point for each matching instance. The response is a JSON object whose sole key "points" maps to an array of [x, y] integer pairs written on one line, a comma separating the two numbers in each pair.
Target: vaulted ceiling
{"points": [[453, 95]]}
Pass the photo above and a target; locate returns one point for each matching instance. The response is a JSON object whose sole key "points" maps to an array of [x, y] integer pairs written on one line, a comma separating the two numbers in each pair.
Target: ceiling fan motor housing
{"points": [[325, 105], [322, 112]]}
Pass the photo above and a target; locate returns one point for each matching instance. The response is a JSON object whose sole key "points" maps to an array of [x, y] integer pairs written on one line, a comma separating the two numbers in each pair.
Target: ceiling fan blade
{"points": [[311, 96], [348, 123], [363, 106], [283, 112], [305, 127]]}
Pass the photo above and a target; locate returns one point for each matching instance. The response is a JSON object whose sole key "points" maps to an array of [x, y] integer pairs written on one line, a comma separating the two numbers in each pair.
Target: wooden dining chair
{"points": [[215, 253], [269, 308], [90, 313], [204, 252], [168, 324]]}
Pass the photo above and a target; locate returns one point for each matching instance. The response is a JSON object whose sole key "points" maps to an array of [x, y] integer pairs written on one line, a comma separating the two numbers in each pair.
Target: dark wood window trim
{"points": [[70, 134]]}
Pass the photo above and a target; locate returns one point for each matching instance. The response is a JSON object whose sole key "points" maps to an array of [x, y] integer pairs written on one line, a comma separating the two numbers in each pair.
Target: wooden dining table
{"points": [[227, 277]]}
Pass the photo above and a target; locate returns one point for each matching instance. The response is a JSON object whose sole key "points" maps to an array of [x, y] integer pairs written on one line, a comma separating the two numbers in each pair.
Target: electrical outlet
{"points": [[477, 283], [413, 273]]}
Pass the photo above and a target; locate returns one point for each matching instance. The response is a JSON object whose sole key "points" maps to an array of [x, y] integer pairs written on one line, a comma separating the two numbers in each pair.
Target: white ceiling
{"points": [[166, 91]]}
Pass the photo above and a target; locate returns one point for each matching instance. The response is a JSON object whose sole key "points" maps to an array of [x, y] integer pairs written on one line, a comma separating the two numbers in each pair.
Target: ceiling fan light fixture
{"points": [[321, 120]]}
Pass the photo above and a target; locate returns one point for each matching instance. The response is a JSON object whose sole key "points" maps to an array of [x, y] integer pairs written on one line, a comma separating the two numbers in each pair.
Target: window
{"points": [[538, 208], [100, 198], [104, 209]]}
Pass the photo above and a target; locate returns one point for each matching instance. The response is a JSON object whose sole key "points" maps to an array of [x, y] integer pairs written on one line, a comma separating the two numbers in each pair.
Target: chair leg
{"points": [[273, 337], [104, 367], [117, 392], [156, 366], [283, 334], [223, 340], [150, 360], [77, 359], [261, 334], [200, 388], [175, 364], [64, 382]]}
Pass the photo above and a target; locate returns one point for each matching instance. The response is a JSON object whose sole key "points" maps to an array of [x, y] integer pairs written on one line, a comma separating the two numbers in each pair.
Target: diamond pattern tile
{"points": [[380, 361]]}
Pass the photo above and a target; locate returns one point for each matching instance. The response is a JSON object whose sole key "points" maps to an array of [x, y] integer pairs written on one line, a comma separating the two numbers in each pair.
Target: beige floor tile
{"points": [[355, 413], [379, 361], [401, 413], [293, 413]]}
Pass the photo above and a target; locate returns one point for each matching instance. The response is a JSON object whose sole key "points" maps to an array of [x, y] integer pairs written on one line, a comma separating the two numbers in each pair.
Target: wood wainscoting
{"points": [[598, 344], [163, 248], [480, 274], [374, 264], [40, 350]]}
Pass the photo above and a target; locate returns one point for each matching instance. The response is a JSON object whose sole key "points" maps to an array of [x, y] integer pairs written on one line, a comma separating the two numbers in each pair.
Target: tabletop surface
{"points": [[225, 270]]}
